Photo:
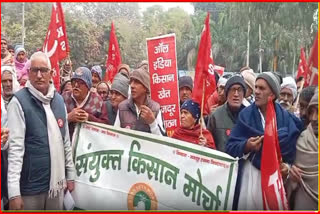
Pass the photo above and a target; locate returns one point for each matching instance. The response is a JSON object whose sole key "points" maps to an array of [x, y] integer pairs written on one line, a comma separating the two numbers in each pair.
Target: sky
{"points": [[166, 5]]}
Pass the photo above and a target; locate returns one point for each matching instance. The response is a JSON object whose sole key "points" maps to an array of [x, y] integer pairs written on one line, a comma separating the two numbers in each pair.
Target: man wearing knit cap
{"points": [[185, 88], [139, 112], [118, 93], [288, 94], [96, 73], [83, 104], [124, 69], [144, 65], [222, 120], [190, 130], [246, 140], [302, 186], [218, 98], [249, 78]]}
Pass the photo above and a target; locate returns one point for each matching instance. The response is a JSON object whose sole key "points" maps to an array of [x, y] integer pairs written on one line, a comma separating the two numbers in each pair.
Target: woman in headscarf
{"points": [[189, 130], [20, 60]]}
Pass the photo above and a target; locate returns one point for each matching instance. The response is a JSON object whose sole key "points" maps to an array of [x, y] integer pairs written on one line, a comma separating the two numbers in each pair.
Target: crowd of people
{"points": [[38, 122]]}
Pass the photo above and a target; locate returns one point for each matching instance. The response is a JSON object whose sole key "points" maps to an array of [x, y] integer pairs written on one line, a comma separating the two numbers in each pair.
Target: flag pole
{"points": [[202, 105], [298, 97]]}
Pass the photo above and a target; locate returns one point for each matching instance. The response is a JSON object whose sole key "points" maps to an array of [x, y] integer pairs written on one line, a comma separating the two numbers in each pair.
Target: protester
{"points": [[139, 112], [9, 84], [190, 130], [96, 73], [6, 57], [65, 87], [39, 155], [300, 81], [246, 140], [249, 78], [305, 97], [20, 60], [11, 50], [83, 104], [66, 71], [302, 187], [4, 166], [103, 90], [124, 69], [218, 98], [119, 93], [23, 75], [185, 88], [288, 94], [144, 65], [222, 120], [4, 161]]}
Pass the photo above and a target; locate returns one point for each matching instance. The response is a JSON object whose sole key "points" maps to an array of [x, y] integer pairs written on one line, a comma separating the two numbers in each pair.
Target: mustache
{"points": [[284, 102], [76, 89]]}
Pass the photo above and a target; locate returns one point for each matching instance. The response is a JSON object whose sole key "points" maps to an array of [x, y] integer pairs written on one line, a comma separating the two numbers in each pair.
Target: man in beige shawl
{"points": [[302, 186]]}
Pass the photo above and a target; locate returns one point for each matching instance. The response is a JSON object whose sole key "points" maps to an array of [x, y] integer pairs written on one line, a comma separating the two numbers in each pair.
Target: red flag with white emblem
{"points": [[204, 73], [312, 76], [56, 44], [114, 56], [273, 192], [302, 67]]}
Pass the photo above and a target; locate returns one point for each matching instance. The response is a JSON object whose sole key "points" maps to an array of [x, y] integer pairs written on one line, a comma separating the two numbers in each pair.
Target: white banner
{"points": [[121, 169]]}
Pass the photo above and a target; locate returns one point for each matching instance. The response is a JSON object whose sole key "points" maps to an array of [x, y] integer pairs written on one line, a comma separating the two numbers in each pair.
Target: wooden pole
{"points": [[260, 50], [202, 105], [299, 92], [294, 62], [248, 44]]}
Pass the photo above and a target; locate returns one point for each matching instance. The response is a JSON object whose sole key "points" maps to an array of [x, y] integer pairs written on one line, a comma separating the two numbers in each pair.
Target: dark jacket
{"points": [[220, 123], [128, 115], [112, 113], [249, 125], [35, 173]]}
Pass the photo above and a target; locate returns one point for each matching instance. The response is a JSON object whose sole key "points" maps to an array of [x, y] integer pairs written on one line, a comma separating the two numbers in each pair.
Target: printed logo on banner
{"points": [[142, 197]]}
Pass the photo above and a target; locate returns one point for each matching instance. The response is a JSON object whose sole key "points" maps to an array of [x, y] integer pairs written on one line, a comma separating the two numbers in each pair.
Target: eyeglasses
{"points": [[239, 89], [78, 81], [43, 70]]}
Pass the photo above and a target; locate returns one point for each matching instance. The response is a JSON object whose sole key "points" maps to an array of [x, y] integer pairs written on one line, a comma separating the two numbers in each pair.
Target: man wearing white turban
{"points": [[9, 83], [288, 93]]}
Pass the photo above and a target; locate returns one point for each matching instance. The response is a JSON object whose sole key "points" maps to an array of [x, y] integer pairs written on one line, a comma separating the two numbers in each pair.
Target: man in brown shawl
{"points": [[302, 186]]}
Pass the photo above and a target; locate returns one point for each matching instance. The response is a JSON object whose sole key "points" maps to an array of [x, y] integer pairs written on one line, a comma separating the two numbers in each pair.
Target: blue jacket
{"points": [[249, 125]]}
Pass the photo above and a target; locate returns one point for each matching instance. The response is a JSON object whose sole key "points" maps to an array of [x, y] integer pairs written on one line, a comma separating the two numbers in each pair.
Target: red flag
{"points": [[302, 67], [114, 56], [204, 67], [273, 192], [219, 69], [312, 76], [56, 44]]}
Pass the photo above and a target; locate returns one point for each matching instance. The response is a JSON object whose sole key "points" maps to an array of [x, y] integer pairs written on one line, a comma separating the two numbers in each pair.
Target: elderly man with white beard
{"points": [[288, 94]]}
